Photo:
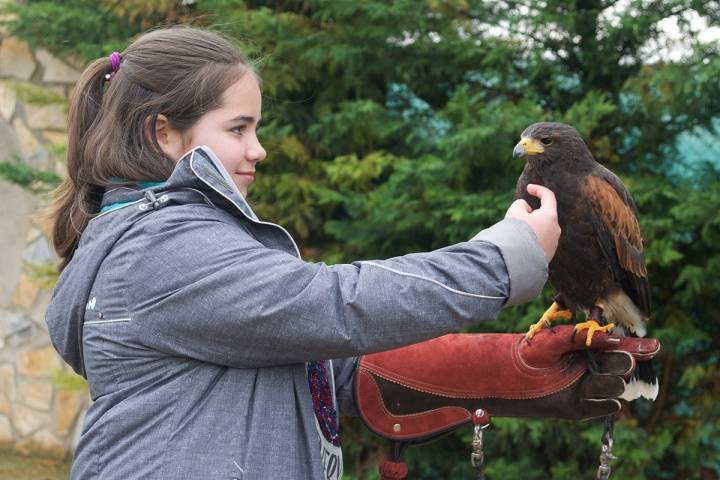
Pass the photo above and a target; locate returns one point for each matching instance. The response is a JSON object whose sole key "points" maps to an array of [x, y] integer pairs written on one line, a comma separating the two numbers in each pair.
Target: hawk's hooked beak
{"points": [[528, 146]]}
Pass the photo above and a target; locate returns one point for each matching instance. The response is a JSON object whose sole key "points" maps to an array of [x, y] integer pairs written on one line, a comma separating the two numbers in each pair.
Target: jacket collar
{"points": [[199, 169]]}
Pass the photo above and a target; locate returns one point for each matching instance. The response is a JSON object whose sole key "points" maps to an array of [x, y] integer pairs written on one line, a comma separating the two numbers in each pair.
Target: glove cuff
{"points": [[418, 392]]}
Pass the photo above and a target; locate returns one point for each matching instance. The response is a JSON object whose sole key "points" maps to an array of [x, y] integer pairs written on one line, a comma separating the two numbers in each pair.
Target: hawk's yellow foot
{"points": [[551, 314], [592, 327]]}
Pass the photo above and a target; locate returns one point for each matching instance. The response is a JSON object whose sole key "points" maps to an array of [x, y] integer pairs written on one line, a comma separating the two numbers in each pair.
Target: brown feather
{"points": [[621, 223]]}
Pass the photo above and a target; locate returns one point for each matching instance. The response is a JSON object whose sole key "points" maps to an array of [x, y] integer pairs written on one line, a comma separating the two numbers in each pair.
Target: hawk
{"points": [[599, 267]]}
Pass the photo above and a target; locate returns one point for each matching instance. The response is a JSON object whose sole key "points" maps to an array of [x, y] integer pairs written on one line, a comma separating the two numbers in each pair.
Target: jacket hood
{"points": [[198, 177]]}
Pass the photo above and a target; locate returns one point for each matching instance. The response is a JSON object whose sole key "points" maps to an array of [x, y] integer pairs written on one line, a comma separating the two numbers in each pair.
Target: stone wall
{"points": [[41, 400]]}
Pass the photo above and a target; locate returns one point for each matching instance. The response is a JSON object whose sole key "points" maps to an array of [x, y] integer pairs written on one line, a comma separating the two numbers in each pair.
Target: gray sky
{"points": [[678, 45]]}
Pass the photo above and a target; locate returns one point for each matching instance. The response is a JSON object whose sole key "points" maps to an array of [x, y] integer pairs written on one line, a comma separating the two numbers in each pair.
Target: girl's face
{"points": [[230, 132]]}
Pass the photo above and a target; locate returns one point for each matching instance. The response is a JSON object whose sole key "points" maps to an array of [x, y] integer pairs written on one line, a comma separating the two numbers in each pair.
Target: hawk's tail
{"points": [[643, 383]]}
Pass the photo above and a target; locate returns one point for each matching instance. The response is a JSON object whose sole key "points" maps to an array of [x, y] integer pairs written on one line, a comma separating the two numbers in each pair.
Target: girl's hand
{"points": [[543, 221]]}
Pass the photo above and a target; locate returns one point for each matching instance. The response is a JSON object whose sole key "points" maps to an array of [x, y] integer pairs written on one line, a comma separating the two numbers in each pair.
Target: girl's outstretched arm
{"points": [[220, 296]]}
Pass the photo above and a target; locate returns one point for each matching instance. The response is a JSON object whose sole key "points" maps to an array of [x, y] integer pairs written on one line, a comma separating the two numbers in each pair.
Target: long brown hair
{"points": [[180, 72]]}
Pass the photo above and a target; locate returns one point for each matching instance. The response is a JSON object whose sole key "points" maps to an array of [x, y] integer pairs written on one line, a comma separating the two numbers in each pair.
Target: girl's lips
{"points": [[246, 175]]}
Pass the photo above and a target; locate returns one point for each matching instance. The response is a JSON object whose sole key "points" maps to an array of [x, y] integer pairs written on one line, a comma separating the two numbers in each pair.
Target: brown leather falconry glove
{"points": [[417, 392]]}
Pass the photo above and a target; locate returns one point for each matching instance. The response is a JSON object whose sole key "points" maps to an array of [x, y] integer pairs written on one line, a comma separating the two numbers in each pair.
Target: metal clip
{"points": [[153, 201], [481, 419], [606, 455]]}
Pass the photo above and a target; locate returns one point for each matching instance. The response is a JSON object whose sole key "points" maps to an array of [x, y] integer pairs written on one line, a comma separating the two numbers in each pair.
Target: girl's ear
{"points": [[170, 139]]}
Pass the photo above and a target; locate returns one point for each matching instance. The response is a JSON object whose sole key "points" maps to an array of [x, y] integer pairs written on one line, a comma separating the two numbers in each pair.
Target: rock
{"points": [[15, 327], [28, 420], [16, 60], [4, 29], [43, 362], [5, 408], [42, 444], [57, 145], [37, 313], [16, 207], [39, 251], [67, 406], [50, 116], [39, 159], [32, 235], [61, 169], [8, 100], [25, 293], [7, 386], [10, 142], [55, 70], [6, 431], [55, 138], [44, 224], [29, 144], [36, 395]]}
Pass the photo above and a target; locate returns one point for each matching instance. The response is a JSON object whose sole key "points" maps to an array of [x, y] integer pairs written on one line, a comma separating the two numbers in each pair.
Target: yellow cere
{"points": [[532, 145]]}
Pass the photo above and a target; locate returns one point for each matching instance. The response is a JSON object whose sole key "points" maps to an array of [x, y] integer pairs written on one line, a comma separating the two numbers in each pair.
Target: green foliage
{"points": [[79, 29], [390, 127], [35, 94], [69, 381], [33, 179], [21, 467], [58, 150], [45, 274]]}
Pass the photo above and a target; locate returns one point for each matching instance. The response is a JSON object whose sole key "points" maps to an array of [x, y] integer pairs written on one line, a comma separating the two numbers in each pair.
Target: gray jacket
{"points": [[193, 322]]}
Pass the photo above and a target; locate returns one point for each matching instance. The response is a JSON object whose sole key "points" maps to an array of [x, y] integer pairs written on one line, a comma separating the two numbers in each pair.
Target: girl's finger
{"points": [[546, 196], [520, 205]]}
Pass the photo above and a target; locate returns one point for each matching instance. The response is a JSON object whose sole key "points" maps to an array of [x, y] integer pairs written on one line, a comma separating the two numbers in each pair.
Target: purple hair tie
{"points": [[115, 59]]}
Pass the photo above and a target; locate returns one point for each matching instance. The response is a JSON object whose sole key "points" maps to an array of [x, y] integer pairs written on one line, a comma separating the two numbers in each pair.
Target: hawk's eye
{"points": [[546, 141]]}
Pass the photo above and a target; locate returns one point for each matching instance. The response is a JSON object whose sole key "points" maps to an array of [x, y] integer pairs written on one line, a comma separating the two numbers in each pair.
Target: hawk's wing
{"points": [[618, 234]]}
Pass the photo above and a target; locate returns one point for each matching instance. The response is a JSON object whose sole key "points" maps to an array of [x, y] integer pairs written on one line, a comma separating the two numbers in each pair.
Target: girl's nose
{"points": [[255, 151]]}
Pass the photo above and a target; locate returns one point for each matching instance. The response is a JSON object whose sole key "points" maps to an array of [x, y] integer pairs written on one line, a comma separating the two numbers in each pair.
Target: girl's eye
{"points": [[239, 129], [546, 141]]}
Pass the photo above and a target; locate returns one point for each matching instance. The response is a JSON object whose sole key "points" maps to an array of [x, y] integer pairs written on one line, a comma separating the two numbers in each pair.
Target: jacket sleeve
{"points": [[210, 291]]}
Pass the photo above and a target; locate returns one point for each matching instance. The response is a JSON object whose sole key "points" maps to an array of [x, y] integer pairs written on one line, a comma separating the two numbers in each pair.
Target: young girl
{"points": [[205, 339]]}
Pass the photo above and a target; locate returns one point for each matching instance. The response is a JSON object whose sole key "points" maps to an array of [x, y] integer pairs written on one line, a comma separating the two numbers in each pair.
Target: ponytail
{"points": [[78, 198], [180, 72]]}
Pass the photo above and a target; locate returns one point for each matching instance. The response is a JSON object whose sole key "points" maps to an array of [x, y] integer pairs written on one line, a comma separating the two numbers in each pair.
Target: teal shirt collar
{"points": [[140, 185]]}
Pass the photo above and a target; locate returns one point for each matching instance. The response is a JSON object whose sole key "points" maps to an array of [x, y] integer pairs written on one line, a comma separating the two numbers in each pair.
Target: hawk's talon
{"points": [[552, 313], [592, 326]]}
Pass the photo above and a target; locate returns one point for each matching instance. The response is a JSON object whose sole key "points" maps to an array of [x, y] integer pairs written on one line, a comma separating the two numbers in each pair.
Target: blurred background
{"points": [[389, 127]]}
